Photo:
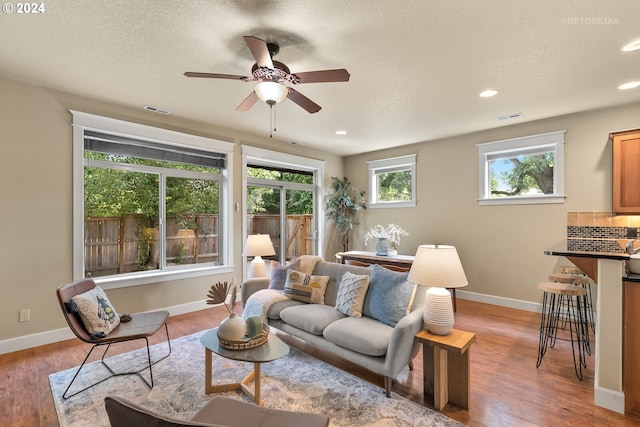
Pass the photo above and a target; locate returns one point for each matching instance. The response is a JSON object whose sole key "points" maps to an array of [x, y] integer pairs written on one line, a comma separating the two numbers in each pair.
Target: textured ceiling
{"points": [[416, 67]]}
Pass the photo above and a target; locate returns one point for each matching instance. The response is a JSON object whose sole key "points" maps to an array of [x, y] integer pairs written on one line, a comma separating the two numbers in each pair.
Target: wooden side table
{"points": [[446, 367]]}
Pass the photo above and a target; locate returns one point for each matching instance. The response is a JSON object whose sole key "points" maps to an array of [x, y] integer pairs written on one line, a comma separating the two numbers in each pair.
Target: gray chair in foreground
{"points": [[221, 411], [141, 327]]}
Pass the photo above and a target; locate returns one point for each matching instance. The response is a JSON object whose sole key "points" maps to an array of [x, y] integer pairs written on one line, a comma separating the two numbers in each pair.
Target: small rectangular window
{"points": [[392, 182], [522, 170]]}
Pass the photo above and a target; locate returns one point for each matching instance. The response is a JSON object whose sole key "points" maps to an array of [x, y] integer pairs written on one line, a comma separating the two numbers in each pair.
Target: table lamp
{"points": [[438, 267], [258, 245]]}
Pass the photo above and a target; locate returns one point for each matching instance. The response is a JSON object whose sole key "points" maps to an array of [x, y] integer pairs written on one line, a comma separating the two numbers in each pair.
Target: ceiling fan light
{"points": [[271, 92]]}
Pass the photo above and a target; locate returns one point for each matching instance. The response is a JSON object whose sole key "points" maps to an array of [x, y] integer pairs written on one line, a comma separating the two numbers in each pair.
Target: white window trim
{"points": [[390, 165], [84, 121], [261, 156], [552, 141]]}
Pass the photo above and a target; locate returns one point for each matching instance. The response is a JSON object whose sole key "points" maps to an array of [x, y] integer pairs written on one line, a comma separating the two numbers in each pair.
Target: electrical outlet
{"points": [[25, 315]]}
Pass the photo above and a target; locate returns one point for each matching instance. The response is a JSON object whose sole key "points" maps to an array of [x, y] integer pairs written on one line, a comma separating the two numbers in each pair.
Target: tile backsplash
{"points": [[601, 231]]}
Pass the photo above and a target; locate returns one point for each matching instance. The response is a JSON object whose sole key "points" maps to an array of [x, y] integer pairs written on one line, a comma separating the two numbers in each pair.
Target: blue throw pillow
{"points": [[388, 296]]}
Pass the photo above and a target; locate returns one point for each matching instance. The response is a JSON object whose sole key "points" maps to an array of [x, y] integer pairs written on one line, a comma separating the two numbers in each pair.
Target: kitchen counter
{"points": [[607, 270], [561, 250]]}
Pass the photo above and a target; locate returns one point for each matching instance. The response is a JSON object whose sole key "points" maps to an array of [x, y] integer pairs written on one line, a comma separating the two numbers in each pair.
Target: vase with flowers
{"points": [[387, 238], [233, 327]]}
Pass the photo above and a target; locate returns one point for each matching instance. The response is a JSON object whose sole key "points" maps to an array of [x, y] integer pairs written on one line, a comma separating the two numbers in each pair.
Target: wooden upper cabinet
{"points": [[626, 172]]}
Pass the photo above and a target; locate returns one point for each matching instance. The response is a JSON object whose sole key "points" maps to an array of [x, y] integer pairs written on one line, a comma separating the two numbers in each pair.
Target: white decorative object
{"points": [[256, 246], [232, 328], [392, 233], [439, 267], [438, 311]]}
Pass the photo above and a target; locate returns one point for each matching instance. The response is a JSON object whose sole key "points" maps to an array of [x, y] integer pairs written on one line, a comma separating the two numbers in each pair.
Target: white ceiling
{"points": [[416, 67]]}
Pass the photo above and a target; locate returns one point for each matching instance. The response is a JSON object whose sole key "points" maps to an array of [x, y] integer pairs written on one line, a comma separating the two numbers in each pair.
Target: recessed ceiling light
{"points": [[631, 46], [341, 132], [629, 85], [488, 93]]}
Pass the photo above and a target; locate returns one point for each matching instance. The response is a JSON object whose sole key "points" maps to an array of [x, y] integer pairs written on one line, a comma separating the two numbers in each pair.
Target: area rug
{"points": [[297, 382]]}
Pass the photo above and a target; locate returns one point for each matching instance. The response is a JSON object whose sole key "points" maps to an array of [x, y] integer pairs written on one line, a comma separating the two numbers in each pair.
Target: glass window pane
{"points": [[299, 223], [121, 212], [521, 175], [192, 207], [394, 186], [263, 215]]}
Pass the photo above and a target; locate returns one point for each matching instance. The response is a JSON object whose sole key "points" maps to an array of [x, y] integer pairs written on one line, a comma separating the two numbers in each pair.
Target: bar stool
{"points": [[570, 269], [562, 310], [584, 282]]}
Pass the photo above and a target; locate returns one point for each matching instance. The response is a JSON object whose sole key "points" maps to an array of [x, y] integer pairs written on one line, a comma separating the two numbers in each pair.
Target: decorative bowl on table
{"points": [[246, 343]]}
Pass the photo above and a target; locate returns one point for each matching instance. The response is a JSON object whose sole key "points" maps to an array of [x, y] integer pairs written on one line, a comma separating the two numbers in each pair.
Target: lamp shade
{"points": [[437, 265], [271, 92], [258, 245]]}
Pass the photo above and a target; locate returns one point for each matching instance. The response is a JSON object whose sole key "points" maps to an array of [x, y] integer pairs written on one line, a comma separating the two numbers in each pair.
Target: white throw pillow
{"points": [[351, 293], [96, 312]]}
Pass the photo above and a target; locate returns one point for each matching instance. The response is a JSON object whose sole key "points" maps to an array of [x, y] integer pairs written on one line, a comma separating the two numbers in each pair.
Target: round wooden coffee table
{"points": [[273, 349]]}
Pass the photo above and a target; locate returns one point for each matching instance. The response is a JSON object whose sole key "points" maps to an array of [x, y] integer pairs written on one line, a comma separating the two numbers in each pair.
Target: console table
{"points": [[404, 261], [445, 360]]}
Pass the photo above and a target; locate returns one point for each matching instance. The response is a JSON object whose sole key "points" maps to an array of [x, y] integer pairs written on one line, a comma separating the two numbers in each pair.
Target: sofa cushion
{"points": [[276, 309], [389, 295], [351, 293], [363, 335], [313, 318], [279, 273], [305, 287]]}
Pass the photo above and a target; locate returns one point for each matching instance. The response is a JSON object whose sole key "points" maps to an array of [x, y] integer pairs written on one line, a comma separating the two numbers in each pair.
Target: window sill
{"points": [[524, 200], [406, 204], [157, 276]]}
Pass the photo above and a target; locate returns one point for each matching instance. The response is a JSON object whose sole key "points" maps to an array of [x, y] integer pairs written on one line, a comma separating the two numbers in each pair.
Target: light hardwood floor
{"points": [[506, 387]]}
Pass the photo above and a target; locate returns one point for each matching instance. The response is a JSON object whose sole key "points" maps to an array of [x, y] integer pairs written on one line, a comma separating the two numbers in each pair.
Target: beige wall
{"points": [[501, 247], [36, 205]]}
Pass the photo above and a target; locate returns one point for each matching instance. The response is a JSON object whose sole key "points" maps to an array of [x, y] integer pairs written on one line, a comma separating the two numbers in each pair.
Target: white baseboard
{"points": [[56, 335], [503, 302], [610, 399]]}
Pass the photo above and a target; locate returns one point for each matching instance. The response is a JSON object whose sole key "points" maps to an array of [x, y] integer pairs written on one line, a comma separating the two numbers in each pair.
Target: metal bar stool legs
{"points": [[563, 317]]}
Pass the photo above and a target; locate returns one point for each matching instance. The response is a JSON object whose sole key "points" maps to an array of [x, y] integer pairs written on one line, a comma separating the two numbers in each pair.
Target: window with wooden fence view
{"points": [[149, 207], [278, 198]]}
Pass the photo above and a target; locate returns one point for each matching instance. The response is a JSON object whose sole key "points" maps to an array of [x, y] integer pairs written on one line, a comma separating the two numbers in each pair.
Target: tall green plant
{"points": [[343, 207]]}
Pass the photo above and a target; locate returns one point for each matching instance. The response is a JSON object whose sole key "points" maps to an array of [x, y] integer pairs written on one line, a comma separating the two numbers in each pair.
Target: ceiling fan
{"points": [[272, 76]]}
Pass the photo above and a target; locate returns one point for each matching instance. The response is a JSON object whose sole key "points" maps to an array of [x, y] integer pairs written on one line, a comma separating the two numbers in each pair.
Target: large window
{"points": [[392, 182], [522, 170], [282, 193], [149, 206]]}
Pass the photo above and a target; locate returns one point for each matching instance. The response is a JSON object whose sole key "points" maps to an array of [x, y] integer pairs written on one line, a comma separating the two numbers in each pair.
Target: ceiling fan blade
{"points": [[248, 102], [214, 76], [259, 50], [303, 101], [325, 76]]}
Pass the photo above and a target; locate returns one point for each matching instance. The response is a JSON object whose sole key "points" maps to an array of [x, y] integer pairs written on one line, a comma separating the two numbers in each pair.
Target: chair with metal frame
{"points": [[141, 326]]}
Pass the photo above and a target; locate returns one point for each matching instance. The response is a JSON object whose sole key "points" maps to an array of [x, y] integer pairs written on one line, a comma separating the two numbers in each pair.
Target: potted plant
{"points": [[386, 237], [343, 207]]}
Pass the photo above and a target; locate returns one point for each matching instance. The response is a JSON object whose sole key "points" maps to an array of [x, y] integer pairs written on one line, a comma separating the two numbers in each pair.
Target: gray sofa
{"points": [[368, 342]]}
